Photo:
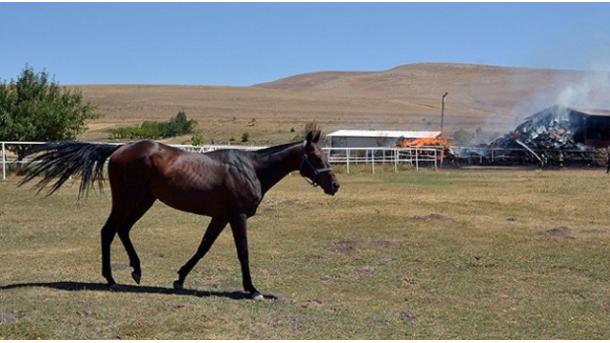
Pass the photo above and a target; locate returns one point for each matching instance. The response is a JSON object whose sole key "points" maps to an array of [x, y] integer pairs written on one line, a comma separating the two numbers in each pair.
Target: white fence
{"points": [[416, 157], [395, 156]]}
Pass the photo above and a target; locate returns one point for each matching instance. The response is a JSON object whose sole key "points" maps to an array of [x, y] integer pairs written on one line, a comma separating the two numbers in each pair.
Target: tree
{"points": [[179, 125], [35, 108]]}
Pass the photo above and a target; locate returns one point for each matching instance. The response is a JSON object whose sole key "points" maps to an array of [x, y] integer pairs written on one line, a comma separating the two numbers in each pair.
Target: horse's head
{"points": [[314, 165]]}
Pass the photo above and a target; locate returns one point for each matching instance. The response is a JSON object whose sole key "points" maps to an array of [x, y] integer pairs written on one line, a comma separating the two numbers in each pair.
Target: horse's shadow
{"points": [[73, 286]]}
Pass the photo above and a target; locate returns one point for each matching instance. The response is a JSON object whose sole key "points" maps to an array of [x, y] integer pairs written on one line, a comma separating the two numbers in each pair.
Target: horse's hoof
{"points": [[136, 277], [178, 285], [114, 287], [257, 296]]}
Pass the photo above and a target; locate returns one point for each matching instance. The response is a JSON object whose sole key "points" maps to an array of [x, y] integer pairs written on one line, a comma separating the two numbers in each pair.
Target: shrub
{"points": [[178, 125], [197, 138]]}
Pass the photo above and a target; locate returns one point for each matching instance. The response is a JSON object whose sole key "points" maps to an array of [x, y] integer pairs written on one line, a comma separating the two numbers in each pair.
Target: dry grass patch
{"points": [[357, 265]]}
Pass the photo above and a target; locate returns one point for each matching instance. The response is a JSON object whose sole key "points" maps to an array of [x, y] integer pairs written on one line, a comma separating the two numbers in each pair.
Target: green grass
{"points": [[357, 265]]}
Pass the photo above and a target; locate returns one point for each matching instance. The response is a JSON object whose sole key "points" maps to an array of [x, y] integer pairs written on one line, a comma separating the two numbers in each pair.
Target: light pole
{"points": [[443, 99]]}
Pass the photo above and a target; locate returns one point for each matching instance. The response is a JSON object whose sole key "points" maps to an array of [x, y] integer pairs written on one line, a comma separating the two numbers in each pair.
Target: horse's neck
{"points": [[273, 167]]}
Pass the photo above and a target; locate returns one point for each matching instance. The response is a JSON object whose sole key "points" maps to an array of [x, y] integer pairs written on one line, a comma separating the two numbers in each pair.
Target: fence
{"points": [[413, 156], [417, 157], [512, 156]]}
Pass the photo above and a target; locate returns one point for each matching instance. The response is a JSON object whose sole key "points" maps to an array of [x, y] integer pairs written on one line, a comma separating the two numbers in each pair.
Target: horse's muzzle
{"points": [[334, 188]]}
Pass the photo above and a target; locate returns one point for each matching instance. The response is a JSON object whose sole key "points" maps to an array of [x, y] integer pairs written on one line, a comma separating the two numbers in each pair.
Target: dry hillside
{"points": [[405, 97]]}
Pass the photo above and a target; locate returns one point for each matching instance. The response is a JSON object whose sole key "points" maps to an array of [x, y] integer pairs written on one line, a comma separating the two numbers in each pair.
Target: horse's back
{"points": [[209, 184]]}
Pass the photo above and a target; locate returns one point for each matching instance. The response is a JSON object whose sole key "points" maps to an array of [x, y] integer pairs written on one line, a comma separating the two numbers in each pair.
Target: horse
{"points": [[227, 185]]}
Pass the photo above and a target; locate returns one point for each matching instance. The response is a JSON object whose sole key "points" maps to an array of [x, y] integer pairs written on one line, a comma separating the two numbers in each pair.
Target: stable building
{"points": [[594, 126], [374, 138]]}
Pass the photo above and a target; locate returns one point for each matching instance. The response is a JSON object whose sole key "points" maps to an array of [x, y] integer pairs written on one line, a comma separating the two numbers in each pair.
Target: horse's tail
{"points": [[63, 159]]}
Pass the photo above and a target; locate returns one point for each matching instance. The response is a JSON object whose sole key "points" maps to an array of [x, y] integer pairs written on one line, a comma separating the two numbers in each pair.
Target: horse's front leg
{"points": [[214, 229], [239, 229]]}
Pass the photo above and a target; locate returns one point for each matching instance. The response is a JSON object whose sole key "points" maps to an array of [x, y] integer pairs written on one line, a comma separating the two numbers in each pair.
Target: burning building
{"points": [[555, 135], [559, 127]]}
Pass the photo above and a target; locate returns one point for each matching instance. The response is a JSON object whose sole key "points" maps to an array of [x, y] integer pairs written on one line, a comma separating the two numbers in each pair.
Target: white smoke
{"points": [[584, 90], [591, 91]]}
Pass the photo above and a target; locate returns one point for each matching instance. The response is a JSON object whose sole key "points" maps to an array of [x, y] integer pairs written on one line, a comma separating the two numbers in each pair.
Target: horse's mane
{"points": [[275, 148], [312, 130]]}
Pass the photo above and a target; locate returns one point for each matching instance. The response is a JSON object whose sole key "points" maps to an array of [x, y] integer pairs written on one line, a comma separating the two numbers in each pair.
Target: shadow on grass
{"points": [[95, 286]]}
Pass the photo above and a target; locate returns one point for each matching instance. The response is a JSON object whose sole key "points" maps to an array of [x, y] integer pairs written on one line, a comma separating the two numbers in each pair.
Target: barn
{"points": [[374, 138], [594, 126]]}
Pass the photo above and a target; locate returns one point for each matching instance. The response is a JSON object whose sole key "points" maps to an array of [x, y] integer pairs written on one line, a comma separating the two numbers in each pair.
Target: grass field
{"points": [[445, 254]]}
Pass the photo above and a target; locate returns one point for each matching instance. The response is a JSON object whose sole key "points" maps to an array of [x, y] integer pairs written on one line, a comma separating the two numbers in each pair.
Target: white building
{"points": [[374, 138]]}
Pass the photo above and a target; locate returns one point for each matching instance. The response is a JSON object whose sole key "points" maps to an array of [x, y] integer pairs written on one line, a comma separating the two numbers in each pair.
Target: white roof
{"points": [[384, 133]]}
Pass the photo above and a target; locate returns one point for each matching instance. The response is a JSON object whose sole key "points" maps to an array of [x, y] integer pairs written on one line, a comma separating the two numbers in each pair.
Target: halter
{"points": [[316, 171]]}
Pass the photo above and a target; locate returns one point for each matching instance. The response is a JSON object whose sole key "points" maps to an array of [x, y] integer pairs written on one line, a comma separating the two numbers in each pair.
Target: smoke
{"points": [[585, 90], [591, 91], [536, 90]]}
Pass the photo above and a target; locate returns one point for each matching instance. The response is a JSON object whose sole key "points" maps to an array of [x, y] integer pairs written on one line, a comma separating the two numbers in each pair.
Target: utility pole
{"points": [[443, 99]]}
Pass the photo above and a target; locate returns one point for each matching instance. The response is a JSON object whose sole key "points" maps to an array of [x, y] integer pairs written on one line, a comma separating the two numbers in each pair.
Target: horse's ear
{"points": [[309, 137], [316, 138]]}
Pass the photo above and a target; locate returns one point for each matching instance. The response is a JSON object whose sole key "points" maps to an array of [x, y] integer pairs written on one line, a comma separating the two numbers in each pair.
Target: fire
{"points": [[423, 142], [439, 141]]}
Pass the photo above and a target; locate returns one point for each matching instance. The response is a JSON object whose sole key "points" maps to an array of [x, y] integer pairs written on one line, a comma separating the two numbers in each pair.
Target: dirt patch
{"points": [[7, 318], [559, 232], [311, 303], [407, 316], [433, 217], [351, 246]]}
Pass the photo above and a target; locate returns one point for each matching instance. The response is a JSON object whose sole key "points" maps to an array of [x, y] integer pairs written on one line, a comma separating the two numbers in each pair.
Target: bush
{"points": [[245, 137], [197, 138], [176, 126]]}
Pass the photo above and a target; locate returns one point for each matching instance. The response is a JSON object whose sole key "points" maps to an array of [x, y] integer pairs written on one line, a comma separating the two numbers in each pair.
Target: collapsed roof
{"points": [[559, 128]]}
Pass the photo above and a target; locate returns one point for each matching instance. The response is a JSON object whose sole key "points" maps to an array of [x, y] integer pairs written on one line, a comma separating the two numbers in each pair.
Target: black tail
{"points": [[64, 159]]}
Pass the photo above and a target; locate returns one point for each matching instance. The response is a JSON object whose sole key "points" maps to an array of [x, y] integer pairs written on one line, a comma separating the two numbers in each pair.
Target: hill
{"points": [[406, 97]]}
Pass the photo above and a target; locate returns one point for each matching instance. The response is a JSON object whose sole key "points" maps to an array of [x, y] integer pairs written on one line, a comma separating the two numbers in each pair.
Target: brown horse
{"points": [[227, 185]]}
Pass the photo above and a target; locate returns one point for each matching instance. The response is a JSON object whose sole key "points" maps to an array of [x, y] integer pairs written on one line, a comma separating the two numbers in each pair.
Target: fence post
{"points": [[3, 161], [416, 159], [347, 160], [373, 160], [435, 165], [395, 160]]}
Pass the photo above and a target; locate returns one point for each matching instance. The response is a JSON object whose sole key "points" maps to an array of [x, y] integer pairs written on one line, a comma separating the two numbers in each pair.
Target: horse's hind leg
{"points": [[123, 232], [212, 232], [108, 232], [126, 210]]}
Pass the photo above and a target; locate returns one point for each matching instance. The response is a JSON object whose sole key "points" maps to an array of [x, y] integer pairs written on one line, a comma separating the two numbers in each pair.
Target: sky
{"points": [[241, 44]]}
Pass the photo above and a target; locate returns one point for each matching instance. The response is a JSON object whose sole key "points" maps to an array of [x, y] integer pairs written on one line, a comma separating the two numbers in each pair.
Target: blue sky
{"points": [[244, 44]]}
